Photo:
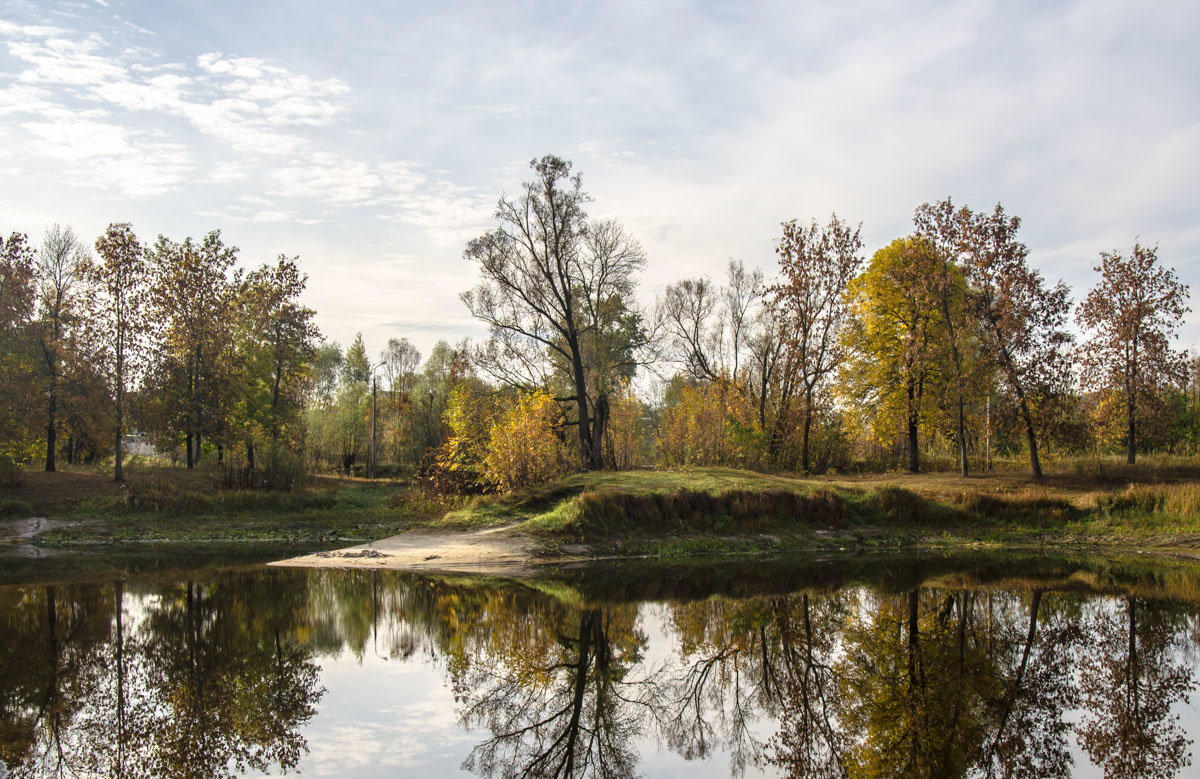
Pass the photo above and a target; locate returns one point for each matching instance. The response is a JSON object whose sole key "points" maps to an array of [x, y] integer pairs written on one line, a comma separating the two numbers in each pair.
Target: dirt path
{"points": [[483, 551]]}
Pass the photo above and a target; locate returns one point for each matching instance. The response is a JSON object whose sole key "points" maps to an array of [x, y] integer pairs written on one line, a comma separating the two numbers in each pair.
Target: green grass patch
{"points": [[604, 513]]}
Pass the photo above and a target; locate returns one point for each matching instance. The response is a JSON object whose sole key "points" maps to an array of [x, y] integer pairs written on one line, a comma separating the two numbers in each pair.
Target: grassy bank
{"points": [[715, 509], [163, 503], [664, 513]]}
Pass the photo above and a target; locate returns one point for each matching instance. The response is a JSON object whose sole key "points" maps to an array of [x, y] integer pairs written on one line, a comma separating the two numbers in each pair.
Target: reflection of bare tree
{"points": [[571, 715], [724, 680], [1029, 737], [1130, 681], [809, 743]]}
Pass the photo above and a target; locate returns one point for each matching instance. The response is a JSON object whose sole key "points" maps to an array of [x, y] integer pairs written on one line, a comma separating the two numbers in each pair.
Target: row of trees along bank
{"points": [[946, 343], [170, 336]]}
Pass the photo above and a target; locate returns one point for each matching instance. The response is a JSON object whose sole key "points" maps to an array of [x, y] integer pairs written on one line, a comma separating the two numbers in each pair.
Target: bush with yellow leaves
{"points": [[524, 446]]}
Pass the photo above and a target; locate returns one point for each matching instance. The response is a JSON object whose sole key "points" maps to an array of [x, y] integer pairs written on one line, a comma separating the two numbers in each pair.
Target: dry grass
{"points": [[607, 512]]}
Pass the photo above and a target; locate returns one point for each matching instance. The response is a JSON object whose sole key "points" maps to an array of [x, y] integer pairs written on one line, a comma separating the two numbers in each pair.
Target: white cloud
{"points": [[108, 156]]}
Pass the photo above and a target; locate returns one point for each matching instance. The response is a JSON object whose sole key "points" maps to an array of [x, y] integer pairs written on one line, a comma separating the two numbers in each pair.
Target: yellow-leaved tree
{"points": [[524, 447], [711, 424]]}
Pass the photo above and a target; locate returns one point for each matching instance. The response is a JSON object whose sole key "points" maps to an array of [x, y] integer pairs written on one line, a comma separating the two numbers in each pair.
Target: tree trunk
{"points": [[956, 359], [599, 428], [1035, 464], [118, 471], [589, 453], [51, 423], [187, 448], [914, 442], [807, 429], [1131, 410]]}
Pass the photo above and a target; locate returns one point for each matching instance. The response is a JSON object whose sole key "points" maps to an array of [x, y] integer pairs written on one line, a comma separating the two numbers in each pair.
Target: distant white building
{"points": [[136, 444]]}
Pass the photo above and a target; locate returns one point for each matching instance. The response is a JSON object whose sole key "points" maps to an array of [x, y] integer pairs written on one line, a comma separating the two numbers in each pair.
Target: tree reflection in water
{"points": [[207, 681], [217, 676]]}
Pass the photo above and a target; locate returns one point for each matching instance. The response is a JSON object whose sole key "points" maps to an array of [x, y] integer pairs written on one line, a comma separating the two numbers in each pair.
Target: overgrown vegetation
{"points": [[946, 350]]}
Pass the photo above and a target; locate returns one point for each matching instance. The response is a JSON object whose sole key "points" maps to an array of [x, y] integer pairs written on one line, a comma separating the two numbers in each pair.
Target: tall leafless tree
{"points": [[553, 287], [816, 264], [59, 262]]}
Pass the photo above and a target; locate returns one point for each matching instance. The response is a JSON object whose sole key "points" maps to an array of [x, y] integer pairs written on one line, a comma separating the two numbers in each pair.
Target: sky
{"points": [[373, 139]]}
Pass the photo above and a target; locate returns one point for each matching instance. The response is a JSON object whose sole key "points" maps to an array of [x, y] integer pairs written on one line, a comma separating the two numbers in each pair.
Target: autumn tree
{"points": [[816, 265], [553, 286], [193, 305], [942, 228], [276, 349], [356, 366], [523, 447], [708, 423], [1133, 314], [119, 284], [1023, 318], [17, 293], [59, 262], [893, 341]]}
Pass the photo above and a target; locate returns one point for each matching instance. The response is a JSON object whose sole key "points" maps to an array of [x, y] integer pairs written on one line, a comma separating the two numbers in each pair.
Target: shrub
{"points": [[523, 448], [898, 504], [10, 474], [991, 506], [1135, 499], [1183, 501], [598, 512], [17, 509]]}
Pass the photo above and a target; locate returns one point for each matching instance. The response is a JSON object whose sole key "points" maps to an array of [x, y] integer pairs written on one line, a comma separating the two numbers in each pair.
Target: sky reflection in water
{"points": [[898, 666]]}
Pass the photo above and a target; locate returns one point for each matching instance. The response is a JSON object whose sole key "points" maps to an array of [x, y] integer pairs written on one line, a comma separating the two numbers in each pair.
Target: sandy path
{"points": [[482, 551]]}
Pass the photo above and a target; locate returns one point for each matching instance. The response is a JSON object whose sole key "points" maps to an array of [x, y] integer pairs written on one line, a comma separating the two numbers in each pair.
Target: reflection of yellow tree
{"points": [[1130, 681], [913, 688]]}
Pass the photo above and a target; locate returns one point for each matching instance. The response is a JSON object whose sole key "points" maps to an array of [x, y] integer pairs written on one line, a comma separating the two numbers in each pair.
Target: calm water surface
{"points": [[967, 666]]}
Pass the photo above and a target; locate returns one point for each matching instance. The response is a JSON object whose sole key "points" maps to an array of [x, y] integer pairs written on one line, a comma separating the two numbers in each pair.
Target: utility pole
{"points": [[371, 457], [371, 452], [988, 447]]}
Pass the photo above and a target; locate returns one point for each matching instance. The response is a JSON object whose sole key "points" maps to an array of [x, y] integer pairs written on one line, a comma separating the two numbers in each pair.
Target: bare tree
{"points": [[816, 265], [687, 314], [553, 287], [742, 290], [58, 267], [1133, 313], [707, 327], [400, 362]]}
